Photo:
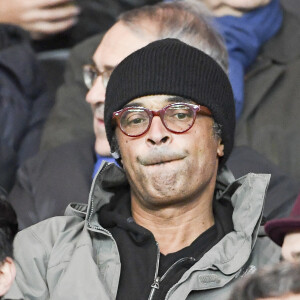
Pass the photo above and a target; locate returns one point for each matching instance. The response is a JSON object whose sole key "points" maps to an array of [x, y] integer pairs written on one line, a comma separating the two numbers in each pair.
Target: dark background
{"points": [[292, 5]]}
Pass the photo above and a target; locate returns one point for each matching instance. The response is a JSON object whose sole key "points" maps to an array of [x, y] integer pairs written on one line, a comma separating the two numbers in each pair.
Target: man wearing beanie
{"points": [[172, 222]]}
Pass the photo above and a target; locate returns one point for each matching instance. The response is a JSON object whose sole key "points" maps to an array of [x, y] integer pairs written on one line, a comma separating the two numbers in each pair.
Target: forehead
{"points": [[119, 42], [157, 101]]}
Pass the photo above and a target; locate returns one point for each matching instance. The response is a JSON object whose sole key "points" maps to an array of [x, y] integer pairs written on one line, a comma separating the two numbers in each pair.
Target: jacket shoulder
{"points": [[45, 235], [39, 249], [265, 251]]}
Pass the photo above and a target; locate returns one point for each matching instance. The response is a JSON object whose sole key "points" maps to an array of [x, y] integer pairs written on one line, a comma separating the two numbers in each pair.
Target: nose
{"points": [[158, 134], [97, 93]]}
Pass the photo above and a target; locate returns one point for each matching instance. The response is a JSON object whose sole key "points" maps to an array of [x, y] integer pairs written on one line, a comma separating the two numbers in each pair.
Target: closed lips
{"points": [[154, 159]]}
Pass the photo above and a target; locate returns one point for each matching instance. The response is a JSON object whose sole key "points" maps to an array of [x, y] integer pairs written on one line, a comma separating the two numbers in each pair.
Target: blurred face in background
{"points": [[233, 7], [291, 247], [118, 43], [7, 275]]}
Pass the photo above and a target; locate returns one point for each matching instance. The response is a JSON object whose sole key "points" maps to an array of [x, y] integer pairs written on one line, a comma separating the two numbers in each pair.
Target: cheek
{"points": [[125, 145], [203, 142], [127, 150]]}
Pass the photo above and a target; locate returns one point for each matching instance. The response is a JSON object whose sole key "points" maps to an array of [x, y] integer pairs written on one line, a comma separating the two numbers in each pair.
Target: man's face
{"points": [[117, 44], [165, 168]]}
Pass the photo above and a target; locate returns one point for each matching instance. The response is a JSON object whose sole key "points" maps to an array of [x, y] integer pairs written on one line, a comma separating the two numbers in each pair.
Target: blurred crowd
{"points": [[83, 87]]}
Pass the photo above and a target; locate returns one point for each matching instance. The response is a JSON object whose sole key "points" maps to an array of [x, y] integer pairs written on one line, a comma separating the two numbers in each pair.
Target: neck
{"points": [[175, 228]]}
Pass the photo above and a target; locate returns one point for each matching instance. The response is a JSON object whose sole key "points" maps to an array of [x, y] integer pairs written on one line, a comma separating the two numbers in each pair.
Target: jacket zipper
{"points": [[91, 227], [155, 284], [157, 279]]}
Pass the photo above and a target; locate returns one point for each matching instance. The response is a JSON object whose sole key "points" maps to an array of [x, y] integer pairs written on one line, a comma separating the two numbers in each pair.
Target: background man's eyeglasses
{"points": [[176, 117], [91, 73]]}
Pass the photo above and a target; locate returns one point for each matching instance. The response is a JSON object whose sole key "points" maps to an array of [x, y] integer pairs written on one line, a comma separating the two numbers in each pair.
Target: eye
{"points": [[106, 75], [134, 118], [179, 113], [94, 77]]}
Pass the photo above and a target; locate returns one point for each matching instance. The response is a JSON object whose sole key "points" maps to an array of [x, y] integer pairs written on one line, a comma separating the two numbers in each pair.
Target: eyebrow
{"points": [[136, 104], [108, 68], [105, 67], [179, 99], [171, 99]]}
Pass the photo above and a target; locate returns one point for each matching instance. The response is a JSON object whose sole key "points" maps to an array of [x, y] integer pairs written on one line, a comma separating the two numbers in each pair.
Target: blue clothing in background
{"points": [[244, 36], [99, 161]]}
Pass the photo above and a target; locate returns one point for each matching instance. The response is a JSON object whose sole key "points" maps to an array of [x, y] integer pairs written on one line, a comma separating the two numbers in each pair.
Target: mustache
{"points": [[99, 111], [159, 156]]}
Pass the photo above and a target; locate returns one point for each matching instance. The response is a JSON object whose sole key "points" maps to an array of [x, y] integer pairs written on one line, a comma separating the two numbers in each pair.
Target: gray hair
{"points": [[115, 149], [188, 21], [277, 281], [217, 131]]}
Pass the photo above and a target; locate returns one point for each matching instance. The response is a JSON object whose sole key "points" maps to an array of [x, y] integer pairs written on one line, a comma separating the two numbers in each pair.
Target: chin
{"points": [[102, 146], [162, 182], [99, 126]]}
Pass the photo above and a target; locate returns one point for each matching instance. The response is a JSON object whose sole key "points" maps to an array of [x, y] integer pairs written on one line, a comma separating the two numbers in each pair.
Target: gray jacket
{"points": [[73, 257]]}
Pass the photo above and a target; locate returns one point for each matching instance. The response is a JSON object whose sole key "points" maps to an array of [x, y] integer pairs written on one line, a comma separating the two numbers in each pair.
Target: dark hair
{"points": [[277, 281], [187, 21], [8, 229]]}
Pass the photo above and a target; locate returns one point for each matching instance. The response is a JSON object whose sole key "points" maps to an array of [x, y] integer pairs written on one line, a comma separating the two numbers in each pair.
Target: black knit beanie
{"points": [[171, 67]]}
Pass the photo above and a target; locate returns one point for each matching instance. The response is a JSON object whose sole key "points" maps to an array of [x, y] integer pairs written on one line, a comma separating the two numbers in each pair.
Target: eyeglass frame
{"points": [[87, 69], [160, 113]]}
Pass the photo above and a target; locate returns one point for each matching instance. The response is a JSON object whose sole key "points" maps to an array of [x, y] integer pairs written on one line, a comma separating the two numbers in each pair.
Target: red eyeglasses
{"points": [[176, 117]]}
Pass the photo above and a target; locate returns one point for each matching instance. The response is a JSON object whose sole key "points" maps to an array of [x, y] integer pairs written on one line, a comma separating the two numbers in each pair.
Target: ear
{"points": [[220, 149], [7, 275]]}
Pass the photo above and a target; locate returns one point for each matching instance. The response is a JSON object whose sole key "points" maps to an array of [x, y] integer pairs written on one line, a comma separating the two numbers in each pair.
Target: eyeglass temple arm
{"points": [[204, 110]]}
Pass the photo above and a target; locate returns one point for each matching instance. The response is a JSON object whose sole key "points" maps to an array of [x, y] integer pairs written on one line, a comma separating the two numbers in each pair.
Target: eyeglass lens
{"points": [[177, 118], [91, 73]]}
